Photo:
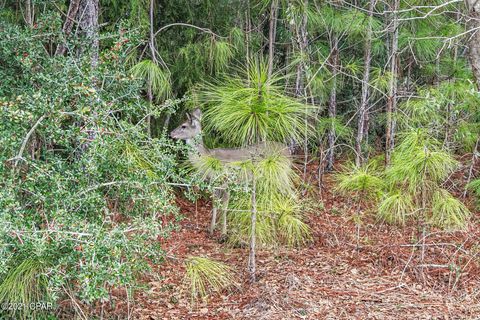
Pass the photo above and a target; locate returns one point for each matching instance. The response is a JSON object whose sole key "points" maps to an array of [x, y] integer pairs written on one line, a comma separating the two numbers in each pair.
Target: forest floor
{"points": [[330, 278]]}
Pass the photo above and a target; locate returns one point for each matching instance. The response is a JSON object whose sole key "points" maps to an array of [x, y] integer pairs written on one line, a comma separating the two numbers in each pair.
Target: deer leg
{"points": [[225, 200], [214, 213]]}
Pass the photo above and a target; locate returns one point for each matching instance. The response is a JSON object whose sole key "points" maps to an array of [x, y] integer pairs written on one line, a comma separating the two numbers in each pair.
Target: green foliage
{"points": [[209, 167], [279, 221], [419, 167], [83, 200], [205, 276], [221, 52], [86, 193], [292, 230], [380, 81], [474, 186], [251, 107], [275, 175], [342, 131], [396, 208], [351, 22], [418, 162], [447, 211], [154, 76], [240, 222], [363, 181]]}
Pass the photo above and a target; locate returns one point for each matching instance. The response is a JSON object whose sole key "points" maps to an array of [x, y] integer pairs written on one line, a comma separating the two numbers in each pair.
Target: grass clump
{"points": [[24, 284], [395, 207], [205, 276], [447, 211]]}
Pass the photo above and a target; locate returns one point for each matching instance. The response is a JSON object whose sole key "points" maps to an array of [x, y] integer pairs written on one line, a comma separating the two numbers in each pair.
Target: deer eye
{"points": [[184, 126]]}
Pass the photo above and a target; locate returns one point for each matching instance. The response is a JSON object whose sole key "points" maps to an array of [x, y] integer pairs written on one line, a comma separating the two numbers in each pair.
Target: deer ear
{"points": [[197, 114]]}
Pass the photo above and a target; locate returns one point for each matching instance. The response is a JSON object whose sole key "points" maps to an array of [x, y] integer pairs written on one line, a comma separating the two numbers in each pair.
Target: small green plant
{"points": [[363, 182], [365, 185], [419, 166], [395, 207], [474, 186], [205, 276], [24, 285], [447, 211], [291, 228]]}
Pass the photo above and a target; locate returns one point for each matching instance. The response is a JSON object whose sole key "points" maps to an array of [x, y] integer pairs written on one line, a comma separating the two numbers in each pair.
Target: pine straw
{"points": [[330, 279]]}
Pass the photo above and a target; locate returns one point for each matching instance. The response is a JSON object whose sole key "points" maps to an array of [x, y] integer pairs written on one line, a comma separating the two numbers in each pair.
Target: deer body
{"points": [[229, 155], [191, 130]]}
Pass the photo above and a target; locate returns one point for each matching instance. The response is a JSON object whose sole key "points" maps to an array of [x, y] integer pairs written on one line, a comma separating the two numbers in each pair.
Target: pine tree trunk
{"points": [[302, 42], [253, 220], [472, 164], [152, 34], [154, 59], [332, 105], [150, 101], [392, 96], [271, 35], [88, 20], [87, 17], [362, 118], [29, 13], [473, 7], [68, 25], [474, 38]]}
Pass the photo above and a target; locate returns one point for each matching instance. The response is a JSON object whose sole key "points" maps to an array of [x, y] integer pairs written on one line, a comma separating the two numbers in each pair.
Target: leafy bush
{"points": [[82, 187]]}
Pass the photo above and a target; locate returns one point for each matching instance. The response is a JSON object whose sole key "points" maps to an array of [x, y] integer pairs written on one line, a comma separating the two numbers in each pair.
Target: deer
{"points": [[191, 132]]}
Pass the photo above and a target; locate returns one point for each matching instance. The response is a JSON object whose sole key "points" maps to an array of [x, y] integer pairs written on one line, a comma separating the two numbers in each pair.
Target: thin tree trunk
{"points": [[362, 119], [152, 33], [472, 164], [302, 42], [392, 97], [154, 59], [332, 105], [271, 35], [150, 101], [474, 38], [251, 256], [248, 29], [473, 7], [88, 19], [68, 25], [29, 13], [321, 157]]}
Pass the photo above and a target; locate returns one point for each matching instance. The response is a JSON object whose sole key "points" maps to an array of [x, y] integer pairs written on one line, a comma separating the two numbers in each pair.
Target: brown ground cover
{"points": [[330, 278]]}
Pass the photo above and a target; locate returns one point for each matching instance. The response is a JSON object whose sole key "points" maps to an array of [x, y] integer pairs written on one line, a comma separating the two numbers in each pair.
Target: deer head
{"points": [[190, 128]]}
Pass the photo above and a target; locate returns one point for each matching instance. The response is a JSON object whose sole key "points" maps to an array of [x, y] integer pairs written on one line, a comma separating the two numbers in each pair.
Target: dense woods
{"points": [[228, 159]]}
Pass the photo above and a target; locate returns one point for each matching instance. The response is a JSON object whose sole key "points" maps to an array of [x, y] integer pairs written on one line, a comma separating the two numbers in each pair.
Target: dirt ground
{"points": [[330, 278]]}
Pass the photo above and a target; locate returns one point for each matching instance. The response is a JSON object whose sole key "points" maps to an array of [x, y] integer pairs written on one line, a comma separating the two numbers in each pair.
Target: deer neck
{"points": [[197, 146]]}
